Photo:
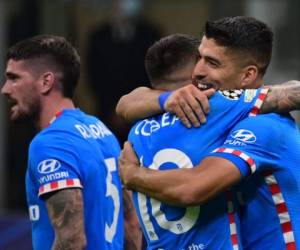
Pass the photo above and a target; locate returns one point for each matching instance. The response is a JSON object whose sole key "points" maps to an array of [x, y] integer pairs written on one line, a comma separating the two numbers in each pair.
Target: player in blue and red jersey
{"points": [[215, 174], [270, 153], [73, 188], [162, 142]]}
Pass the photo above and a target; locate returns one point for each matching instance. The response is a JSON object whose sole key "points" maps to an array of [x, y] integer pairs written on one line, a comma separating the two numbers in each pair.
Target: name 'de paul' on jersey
{"points": [[50, 167]]}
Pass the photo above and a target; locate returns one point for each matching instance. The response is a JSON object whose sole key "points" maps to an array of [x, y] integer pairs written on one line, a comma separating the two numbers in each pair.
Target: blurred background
{"points": [[112, 37]]}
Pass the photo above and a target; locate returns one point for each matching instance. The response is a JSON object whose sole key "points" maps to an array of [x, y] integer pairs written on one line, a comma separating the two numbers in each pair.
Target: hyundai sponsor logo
{"points": [[48, 166], [53, 177], [244, 135]]}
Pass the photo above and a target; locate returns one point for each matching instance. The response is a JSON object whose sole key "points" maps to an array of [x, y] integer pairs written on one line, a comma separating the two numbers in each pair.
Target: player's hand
{"points": [[190, 104], [128, 164]]}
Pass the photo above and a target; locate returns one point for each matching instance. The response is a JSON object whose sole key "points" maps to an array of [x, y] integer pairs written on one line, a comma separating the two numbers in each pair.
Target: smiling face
{"points": [[21, 89], [220, 66]]}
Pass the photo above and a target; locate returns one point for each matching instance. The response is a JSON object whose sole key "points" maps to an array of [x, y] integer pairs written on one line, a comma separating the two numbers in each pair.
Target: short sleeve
{"points": [[239, 103], [53, 163], [258, 141]]}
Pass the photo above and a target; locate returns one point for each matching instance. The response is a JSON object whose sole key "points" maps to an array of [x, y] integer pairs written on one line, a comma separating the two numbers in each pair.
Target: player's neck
{"points": [[257, 83], [50, 110]]}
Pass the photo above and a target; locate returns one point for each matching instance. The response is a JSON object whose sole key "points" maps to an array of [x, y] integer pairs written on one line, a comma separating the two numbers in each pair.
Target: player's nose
{"points": [[5, 89], [199, 70]]}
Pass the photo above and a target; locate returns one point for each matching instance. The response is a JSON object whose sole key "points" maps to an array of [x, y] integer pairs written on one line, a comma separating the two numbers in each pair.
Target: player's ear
{"points": [[47, 82], [250, 76]]}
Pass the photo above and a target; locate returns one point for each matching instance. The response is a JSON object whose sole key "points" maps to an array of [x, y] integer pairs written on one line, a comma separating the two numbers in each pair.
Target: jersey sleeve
{"points": [[240, 103], [53, 163], [254, 144]]}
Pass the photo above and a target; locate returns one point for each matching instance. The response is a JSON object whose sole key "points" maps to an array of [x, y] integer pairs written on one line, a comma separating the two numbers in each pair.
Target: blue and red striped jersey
{"points": [[269, 146]]}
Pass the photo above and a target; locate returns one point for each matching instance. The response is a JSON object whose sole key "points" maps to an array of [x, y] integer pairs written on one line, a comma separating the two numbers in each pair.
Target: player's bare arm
{"points": [[65, 209], [133, 233], [189, 103], [139, 104], [180, 187], [282, 98]]}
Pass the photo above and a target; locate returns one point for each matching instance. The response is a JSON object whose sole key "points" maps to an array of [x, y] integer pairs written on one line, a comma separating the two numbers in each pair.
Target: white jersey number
{"points": [[188, 220], [34, 212], [113, 192]]}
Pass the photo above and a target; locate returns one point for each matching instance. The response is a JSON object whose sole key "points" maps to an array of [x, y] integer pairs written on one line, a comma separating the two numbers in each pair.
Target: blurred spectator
{"points": [[115, 59]]}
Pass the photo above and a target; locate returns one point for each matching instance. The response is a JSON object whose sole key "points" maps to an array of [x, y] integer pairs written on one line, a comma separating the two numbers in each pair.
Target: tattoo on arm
{"points": [[282, 98], [65, 210]]}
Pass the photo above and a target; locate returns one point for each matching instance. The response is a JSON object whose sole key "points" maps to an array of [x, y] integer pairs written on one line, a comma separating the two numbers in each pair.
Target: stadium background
{"points": [[76, 19]]}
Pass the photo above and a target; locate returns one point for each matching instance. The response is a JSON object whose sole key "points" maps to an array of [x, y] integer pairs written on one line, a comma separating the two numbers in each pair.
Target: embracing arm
{"points": [[65, 210], [189, 103], [140, 103], [282, 98], [181, 187]]}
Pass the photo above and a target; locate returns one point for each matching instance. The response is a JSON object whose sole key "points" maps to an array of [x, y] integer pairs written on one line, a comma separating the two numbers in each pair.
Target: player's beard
{"points": [[28, 112]]}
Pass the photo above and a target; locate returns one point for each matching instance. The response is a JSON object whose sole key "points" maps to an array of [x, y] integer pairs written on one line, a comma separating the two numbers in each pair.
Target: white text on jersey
{"points": [[146, 127], [96, 131]]}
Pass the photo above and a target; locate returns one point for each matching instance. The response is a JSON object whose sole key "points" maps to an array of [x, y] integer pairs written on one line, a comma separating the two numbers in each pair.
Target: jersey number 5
{"points": [[112, 191]]}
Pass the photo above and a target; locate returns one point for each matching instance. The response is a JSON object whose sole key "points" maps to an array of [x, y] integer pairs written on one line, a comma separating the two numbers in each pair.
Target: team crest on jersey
{"points": [[249, 94], [231, 94]]}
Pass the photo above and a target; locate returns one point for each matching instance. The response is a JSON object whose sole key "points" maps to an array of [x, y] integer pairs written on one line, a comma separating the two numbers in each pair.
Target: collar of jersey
{"points": [[59, 113]]}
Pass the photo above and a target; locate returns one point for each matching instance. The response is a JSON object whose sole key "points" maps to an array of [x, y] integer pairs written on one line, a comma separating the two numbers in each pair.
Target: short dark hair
{"points": [[245, 34], [60, 52], [168, 55]]}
